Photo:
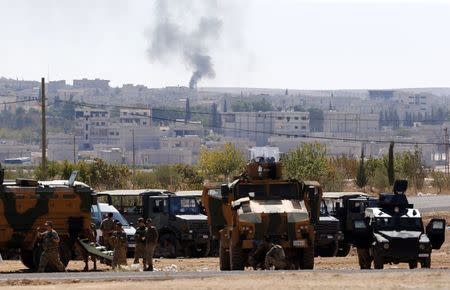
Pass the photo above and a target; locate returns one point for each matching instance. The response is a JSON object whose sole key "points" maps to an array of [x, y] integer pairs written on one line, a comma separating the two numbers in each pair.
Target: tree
{"points": [[390, 167], [221, 163], [410, 167], [361, 177], [307, 162], [440, 180]]}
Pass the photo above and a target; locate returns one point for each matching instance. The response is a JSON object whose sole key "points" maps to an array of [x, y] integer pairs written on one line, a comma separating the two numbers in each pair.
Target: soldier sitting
{"points": [[120, 245], [50, 246], [276, 258]]}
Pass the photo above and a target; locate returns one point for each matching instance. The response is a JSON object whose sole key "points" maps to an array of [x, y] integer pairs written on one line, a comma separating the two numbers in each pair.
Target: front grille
{"points": [[403, 247], [198, 226], [327, 227]]}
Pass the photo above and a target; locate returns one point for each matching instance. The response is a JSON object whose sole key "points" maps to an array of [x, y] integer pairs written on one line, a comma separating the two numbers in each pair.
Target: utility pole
{"points": [[44, 132], [74, 149], [447, 165], [134, 156]]}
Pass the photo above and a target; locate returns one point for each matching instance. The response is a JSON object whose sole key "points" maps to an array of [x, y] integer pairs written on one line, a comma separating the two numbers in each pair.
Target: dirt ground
{"points": [[340, 280]]}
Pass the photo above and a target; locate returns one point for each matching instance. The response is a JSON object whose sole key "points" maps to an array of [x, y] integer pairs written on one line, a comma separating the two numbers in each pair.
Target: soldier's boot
{"points": [[95, 263], [149, 268]]}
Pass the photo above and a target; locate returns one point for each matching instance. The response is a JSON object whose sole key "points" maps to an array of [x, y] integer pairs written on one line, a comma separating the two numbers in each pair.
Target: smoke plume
{"points": [[192, 42]]}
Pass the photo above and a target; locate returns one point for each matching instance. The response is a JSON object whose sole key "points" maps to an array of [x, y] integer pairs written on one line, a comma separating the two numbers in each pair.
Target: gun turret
{"points": [[264, 168]]}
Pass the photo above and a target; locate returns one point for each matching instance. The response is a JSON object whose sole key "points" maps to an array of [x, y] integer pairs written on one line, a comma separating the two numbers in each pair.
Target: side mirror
{"points": [[436, 232]]}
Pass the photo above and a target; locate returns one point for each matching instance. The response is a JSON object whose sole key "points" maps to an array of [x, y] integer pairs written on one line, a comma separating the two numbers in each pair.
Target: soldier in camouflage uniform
{"points": [[276, 258], [119, 241], [107, 227], [50, 246], [152, 240], [140, 238]]}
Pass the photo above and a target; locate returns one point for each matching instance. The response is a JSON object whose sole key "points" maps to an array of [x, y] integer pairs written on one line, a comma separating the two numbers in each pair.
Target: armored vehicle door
{"points": [[212, 201], [436, 232], [157, 208]]}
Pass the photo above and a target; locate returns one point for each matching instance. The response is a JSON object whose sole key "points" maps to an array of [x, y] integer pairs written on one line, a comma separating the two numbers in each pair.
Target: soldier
{"points": [[119, 241], [275, 257], [107, 228], [152, 240], [50, 246], [140, 238]]}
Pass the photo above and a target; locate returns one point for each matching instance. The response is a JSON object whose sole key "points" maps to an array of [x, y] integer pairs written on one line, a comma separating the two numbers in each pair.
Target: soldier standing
{"points": [[50, 246], [152, 240], [107, 228], [119, 241], [140, 238]]}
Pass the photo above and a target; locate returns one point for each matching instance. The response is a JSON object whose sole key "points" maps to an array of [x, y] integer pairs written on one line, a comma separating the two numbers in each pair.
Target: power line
{"points": [[267, 132], [266, 114]]}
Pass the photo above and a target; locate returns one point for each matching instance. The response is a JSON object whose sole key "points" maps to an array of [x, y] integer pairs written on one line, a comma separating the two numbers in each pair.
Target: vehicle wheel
{"points": [[412, 264], [378, 262], [26, 256], [307, 259], [168, 246], [224, 258], [426, 263], [237, 258], [364, 258], [329, 251], [343, 250], [65, 252]]}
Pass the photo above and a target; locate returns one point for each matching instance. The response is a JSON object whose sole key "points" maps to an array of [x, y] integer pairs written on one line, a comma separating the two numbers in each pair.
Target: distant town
{"points": [[135, 124]]}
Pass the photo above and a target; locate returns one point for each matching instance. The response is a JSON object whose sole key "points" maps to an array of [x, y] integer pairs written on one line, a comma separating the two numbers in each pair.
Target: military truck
{"points": [[393, 232], [26, 204], [348, 208], [328, 233], [260, 209], [182, 226]]}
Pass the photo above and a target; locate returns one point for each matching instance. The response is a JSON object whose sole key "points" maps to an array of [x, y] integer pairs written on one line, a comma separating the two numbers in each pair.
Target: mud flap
{"points": [[436, 232]]}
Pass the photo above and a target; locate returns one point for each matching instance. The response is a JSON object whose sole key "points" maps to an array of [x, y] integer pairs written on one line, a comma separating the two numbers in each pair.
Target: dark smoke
{"points": [[170, 38]]}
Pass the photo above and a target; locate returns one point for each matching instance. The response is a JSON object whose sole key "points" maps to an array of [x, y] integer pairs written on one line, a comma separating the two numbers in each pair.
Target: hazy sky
{"points": [[276, 44]]}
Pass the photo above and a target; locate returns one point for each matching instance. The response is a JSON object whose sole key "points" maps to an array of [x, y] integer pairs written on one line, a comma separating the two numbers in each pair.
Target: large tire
{"points": [[412, 264], [378, 261], [343, 250], [426, 263], [26, 256], [328, 251], [364, 259], [168, 246], [237, 258], [307, 259], [224, 258]]}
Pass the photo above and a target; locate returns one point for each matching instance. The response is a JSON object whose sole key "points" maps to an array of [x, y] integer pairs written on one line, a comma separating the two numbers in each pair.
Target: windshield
{"points": [[399, 224], [323, 209], [119, 217], [184, 205]]}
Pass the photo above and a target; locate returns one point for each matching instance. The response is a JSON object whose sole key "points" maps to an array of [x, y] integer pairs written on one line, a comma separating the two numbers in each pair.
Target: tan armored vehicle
{"points": [[260, 212], [27, 204]]}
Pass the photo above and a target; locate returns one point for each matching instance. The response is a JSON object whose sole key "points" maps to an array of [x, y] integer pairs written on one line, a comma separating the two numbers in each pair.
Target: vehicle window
{"points": [[285, 191], [158, 205], [411, 224], [184, 205], [120, 218], [385, 223], [215, 192], [244, 189], [323, 209]]}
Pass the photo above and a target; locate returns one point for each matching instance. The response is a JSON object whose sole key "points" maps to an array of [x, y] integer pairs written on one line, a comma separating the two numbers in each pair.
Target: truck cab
{"points": [[182, 227]]}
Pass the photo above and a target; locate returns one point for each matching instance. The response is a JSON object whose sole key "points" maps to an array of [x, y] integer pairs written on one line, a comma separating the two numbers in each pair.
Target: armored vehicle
{"points": [[182, 227], [395, 233], [328, 233], [26, 204], [259, 211]]}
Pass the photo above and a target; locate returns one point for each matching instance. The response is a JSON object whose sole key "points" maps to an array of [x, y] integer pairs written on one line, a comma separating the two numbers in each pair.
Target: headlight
{"points": [[191, 231], [386, 246]]}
